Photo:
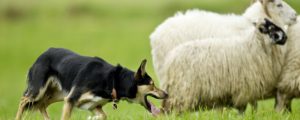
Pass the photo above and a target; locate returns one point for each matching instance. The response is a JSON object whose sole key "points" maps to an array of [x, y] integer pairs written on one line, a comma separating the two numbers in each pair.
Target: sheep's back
{"points": [[192, 25], [218, 71]]}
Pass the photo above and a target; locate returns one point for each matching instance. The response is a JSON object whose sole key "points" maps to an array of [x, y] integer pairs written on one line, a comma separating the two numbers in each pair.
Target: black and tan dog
{"points": [[85, 82]]}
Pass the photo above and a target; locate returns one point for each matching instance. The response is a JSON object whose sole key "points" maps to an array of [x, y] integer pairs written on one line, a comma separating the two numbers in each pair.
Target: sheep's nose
{"points": [[166, 95], [295, 17]]}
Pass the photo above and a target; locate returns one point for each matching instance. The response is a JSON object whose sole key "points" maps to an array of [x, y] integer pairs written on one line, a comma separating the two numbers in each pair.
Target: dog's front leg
{"points": [[67, 110], [99, 114]]}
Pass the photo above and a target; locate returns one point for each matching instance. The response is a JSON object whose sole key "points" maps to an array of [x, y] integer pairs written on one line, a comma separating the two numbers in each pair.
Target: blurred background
{"points": [[116, 30]]}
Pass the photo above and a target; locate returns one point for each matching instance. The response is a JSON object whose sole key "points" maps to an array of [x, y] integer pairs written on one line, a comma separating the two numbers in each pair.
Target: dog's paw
{"points": [[89, 118], [97, 117]]}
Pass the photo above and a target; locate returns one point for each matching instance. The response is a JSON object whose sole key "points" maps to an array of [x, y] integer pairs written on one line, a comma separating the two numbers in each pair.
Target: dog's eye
{"points": [[279, 5], [151, 83]]}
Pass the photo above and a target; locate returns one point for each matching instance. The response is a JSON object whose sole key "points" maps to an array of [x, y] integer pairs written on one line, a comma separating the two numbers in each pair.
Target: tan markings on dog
{"points": [[67, 110], [23, 102], [50, 93], [89, 101], [99, 114], [51, 82], [142, 90], [53, 93], [145, 88], [44, 113]]}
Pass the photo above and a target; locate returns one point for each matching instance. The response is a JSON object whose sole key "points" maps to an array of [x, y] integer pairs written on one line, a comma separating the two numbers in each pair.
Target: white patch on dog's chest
{"points": [[89, 101]]}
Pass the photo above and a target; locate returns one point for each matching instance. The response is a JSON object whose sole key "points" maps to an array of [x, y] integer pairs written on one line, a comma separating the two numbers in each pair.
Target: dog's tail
{"points": [[37, 81], [35, 87]]}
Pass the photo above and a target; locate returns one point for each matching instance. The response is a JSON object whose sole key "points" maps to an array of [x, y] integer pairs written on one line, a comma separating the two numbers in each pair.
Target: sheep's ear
{"points": [[265, 1], [263, 28], [265, 6], [141, 71], [254, 1]]}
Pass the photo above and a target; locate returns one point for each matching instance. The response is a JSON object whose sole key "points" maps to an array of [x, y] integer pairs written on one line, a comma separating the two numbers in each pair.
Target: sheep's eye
{"points": [[271, 27], [279, 5]]}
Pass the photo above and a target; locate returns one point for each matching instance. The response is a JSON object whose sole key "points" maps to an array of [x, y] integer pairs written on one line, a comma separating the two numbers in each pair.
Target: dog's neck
{"points": [[125, 84]]}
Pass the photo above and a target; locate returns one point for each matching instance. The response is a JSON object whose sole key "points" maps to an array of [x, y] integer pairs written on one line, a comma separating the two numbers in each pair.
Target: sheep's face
{"points": [[277, 35], [281, 12]]}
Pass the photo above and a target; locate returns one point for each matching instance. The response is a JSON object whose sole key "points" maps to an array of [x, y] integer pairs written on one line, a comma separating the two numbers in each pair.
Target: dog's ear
{"points": [[141, 71]]}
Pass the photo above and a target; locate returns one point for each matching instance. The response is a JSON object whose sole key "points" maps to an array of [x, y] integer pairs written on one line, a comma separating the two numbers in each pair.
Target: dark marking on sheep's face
{"points": [[274, 32]]}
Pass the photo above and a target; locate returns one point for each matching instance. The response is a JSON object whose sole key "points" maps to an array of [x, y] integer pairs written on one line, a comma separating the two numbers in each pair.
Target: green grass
{"points": [[117, 31]]}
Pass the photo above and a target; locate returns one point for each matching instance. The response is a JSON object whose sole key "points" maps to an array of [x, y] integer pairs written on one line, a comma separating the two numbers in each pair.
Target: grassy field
{"points": [[117, 31]]}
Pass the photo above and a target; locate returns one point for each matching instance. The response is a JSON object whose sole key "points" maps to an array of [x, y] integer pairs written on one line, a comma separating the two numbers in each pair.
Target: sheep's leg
{"points": [[24, 101], [241, 109], [220, 109], [289, 105], [282, 102], [166, 106], [254, 106]]}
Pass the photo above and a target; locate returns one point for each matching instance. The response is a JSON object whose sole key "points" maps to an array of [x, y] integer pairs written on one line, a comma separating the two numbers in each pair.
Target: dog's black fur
{"points": [[78, 74], [92, 73]]}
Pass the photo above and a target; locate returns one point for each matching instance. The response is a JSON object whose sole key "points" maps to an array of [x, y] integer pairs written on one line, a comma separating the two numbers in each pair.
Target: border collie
{"points": [[84, 82]]}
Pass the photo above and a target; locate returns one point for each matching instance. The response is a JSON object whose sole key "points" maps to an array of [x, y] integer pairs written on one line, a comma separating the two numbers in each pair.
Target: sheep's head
{"points": [[277, 35], [277, 10]]}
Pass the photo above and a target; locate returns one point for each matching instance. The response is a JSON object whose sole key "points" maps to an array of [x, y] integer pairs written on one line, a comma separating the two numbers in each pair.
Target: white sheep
{"points": [[199, 24], [289, 85], [218, 72]]}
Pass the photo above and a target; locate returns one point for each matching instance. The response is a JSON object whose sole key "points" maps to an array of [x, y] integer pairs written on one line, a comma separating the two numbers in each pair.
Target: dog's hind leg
{"points": [[24, 101], [44, 113]]}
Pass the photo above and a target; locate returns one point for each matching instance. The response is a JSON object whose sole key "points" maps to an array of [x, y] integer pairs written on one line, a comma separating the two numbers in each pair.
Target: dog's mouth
{"points": [[150, 106]]}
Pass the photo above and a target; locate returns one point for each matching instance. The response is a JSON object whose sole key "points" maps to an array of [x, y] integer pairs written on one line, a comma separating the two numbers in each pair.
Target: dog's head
{"points": [[145, 88]]}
